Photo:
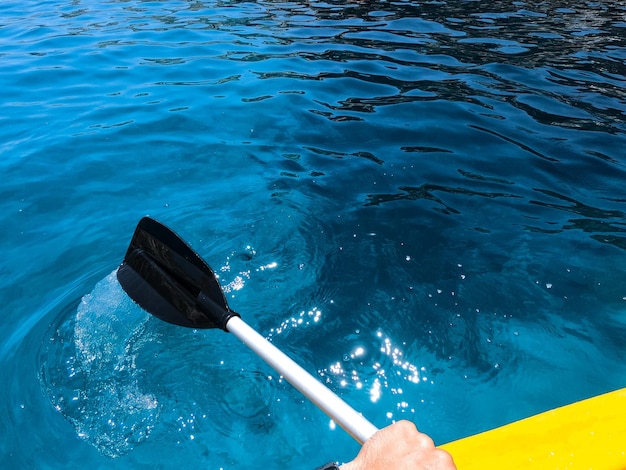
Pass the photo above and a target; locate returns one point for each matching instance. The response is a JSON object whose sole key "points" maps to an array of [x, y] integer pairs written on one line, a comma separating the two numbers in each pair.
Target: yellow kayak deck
{"points": [[589, 434]]}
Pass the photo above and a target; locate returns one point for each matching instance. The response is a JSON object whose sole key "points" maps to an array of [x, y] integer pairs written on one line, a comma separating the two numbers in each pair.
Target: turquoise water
{"points": [[424, 204]]}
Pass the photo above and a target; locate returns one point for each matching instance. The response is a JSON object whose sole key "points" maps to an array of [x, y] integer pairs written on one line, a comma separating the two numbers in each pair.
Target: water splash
{"points": [[91, 373]]}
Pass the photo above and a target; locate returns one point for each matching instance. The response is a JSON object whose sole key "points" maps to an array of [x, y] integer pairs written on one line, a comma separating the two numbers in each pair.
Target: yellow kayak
{"points": [[589, 434]]}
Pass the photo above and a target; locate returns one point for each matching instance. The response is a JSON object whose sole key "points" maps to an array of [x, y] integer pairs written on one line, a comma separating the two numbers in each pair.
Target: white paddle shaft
{"points": [[341, 413]]}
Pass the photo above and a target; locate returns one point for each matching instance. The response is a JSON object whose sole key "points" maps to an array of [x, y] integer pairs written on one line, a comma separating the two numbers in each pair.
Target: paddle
{"points": [[162, 274]]}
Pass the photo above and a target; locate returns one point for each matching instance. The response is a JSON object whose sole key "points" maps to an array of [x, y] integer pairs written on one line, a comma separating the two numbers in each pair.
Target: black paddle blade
{"points": [[162, 274]]}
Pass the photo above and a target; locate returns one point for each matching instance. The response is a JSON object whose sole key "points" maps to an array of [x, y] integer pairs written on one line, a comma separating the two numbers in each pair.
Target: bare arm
{"points": [[400, 447]]}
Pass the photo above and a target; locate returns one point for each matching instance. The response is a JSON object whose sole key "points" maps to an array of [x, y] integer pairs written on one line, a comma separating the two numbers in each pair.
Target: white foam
{"points": [[109, 408]]}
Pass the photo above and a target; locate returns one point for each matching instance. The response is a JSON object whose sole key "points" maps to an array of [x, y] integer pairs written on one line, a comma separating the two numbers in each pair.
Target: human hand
{"points": [[400, 447]]}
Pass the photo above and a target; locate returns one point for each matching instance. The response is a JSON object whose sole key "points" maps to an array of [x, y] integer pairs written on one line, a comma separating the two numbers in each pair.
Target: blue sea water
{"points": [[422, 203]]}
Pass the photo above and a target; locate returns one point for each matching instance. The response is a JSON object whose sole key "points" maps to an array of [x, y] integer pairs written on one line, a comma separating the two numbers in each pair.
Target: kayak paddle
{"points": [[167, 278]]}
